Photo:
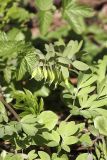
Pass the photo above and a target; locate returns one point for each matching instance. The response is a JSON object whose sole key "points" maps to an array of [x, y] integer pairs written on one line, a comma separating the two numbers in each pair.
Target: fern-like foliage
{"points": [[74, 12], [52, 67]]}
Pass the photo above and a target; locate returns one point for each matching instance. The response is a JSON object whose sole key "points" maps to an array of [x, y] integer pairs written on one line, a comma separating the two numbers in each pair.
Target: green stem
{"points": [[71, 114], [59, 150]]}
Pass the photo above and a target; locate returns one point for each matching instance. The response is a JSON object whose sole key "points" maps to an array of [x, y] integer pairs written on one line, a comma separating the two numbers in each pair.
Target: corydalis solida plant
{"points": [[29, 74]]}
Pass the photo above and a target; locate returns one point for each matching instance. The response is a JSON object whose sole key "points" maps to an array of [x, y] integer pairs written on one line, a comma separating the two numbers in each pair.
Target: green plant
{"points": [[44, 114]]}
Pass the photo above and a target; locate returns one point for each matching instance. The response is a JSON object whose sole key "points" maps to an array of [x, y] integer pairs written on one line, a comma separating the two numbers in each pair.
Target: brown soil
{"points": [[93, 3]]}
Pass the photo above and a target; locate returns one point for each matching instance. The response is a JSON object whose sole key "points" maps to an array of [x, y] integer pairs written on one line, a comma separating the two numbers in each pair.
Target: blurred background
{"points": [[20, 19]]}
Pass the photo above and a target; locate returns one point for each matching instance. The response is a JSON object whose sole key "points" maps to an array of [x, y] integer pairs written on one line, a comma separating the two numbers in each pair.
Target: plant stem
{"points": [[68, 117], [59, 150], [9, 108], [74, 71], [70, 113]]}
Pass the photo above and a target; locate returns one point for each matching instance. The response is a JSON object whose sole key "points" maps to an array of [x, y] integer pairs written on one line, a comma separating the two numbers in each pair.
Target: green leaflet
{"points": [[9, 129], [44, 155], [65, 72], [72, 48], [10, 156], [49, 119], [67, 128], [102, 66], [101, 111], [74, 13], [64, 60], [102, 88], [99, 103], [80, 65], [44, 14], [9, 48], [3, 36], [28, 125], [7, 74], [27, 60], [73, 7], [100, 123], [45, 19], [44, 5], [53, 138], [83, 156], [70, 140], [30, 103], [76, 22], [86, 90], [86, 140], [3, 114], [37, 74], [86, 103], [17, 13], [16, 34], [67, 131], [32, 155], [85, 80]]}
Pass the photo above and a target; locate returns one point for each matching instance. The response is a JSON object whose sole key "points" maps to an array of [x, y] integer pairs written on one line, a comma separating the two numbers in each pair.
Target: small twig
{"points": [[83, 148], [9, 108], [97, 138], [68, 118]]}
